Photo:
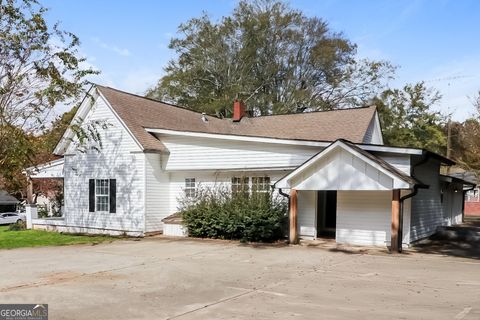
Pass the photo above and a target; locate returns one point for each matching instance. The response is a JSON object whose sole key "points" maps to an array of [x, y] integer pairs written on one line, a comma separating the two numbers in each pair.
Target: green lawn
{"points": [[36, 238]]}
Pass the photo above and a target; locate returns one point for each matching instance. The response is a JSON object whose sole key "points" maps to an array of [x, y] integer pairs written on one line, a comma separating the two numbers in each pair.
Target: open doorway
{"points": [[326, 213]]}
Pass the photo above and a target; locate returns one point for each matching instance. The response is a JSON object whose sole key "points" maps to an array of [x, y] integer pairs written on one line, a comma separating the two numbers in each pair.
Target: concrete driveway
{"points": [[189, 279]]}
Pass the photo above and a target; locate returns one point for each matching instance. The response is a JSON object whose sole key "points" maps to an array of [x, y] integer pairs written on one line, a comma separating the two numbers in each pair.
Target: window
{"points": [[190, 187], [102, 187], [240, 184], [260, 184]]}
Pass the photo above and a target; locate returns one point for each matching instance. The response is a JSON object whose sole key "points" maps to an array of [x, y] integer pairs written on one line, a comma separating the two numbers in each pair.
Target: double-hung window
{"points": [[190, 188], [102, 195], [260, 184], [240, 184]]}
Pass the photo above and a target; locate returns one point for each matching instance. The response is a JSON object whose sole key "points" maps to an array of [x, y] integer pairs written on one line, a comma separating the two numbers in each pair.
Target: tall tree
{"points": [[465, 144], [275, 57], [408, 119], [39, 67]]}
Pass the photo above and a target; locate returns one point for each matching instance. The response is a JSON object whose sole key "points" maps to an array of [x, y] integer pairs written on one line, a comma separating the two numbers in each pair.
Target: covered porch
{"points": [[52, 170], [349, 194]]}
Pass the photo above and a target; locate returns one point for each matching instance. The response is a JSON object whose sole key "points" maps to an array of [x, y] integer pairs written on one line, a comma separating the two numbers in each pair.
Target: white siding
{"points": [[119, 159], [210, 179], [364, 217], [307, 203], [427, 208], [190, 153], [452, 203], [175, 230], [399, 161], [157, 200], [342, 170], [457, 207], [374, 132]]}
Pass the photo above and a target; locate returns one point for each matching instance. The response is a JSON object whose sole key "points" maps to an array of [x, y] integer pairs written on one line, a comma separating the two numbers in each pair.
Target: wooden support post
{"points": [[395, 221], [293, 217], [30, 191]]}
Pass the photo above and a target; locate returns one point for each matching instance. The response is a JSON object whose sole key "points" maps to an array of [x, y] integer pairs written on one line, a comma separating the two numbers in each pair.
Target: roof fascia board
{"points": [[82, 111], [47, 165], [387, 149], [378, 126], [253, 169], [238, 137]]}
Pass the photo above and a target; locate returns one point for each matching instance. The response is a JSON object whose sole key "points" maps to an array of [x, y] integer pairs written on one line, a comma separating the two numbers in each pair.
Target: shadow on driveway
{"points": [[459, 241]]}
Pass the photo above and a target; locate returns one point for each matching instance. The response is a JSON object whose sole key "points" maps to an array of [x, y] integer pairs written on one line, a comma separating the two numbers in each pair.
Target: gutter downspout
{"points": [[280, 191], [425, 158]]}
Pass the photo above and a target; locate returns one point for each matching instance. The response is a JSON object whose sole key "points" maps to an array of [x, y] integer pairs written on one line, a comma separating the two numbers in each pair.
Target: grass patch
{"points": [[39, 238]]}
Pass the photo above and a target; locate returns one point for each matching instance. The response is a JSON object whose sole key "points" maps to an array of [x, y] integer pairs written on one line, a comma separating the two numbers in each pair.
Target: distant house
{"points": [[8, 203], [333, 166]]}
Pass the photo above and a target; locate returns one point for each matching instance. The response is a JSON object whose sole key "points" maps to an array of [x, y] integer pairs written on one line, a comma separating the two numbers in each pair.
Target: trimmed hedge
{"points": [[217, 213]]}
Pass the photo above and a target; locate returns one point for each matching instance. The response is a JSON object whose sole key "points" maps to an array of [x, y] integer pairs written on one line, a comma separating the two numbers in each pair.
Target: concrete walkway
{"points": [[157, 278]]}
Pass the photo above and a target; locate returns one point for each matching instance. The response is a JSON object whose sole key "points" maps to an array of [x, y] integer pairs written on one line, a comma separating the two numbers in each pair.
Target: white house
{"points": [[333, 166]]}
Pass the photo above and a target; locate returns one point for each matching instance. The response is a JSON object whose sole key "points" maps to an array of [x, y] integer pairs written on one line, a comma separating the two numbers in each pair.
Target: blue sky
{"points": [[432, 40]]}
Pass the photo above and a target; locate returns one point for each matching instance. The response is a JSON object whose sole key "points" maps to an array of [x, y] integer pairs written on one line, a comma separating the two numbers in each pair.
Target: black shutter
{"points": [[91, 195], [113, 195]]}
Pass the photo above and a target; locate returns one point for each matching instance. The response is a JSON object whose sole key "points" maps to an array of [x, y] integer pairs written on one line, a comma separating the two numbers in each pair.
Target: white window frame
{"points": [[189, 188], [242, 185], [260, 184], [102, 195]]}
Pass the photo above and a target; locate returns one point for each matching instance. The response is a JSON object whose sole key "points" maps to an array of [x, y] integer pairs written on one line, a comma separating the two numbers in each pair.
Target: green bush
{"points": [[217, 213], [17, 226]]}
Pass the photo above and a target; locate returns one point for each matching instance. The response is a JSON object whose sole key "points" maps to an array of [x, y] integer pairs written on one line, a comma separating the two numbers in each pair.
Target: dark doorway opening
{"points": [[326, 213]]}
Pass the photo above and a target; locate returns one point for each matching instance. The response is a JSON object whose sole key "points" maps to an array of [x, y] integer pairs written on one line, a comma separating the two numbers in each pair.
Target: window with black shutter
{"points": [[91, 195], [113, 195], [102, 195]]}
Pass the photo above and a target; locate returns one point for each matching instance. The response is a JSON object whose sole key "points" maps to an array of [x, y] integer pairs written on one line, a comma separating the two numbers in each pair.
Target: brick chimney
{"points": [[239, 110]]}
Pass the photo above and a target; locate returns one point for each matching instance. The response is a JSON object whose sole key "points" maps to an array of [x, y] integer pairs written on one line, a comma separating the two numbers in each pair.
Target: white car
{"points": [[11, 217]]}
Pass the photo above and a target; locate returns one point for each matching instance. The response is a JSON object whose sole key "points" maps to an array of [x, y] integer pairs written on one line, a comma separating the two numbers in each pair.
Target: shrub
{"points": [[42, 211], [17, 226], [218, 213]]}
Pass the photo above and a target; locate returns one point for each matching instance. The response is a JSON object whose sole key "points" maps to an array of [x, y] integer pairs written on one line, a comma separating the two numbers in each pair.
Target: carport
{"points": [[365, 193]]}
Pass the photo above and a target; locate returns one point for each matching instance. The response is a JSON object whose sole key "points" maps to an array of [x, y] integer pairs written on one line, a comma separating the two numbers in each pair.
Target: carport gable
{"points": [[344, 166]]}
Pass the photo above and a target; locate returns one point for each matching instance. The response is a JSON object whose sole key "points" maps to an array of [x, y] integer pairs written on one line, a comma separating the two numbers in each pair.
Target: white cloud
{"points": [[120, 51]]}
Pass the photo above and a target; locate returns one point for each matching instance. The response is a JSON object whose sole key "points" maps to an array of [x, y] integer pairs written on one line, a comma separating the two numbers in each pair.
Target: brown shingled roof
{"points": [[139, 113]]}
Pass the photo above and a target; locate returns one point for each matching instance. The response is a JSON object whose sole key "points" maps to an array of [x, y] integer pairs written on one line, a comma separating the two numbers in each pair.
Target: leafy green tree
{"points": [[272, 56], [408, 119], [39, 67], [465, 145]]}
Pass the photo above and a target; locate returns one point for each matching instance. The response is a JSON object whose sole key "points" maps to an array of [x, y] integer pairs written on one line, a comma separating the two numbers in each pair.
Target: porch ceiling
{"points": [[53, 169], [344, 166]]}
